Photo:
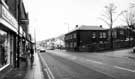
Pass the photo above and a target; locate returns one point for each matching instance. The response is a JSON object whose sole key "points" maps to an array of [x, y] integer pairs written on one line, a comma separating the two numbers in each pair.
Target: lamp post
{"points": [[18, 48], [35, 39], [18, 38]]}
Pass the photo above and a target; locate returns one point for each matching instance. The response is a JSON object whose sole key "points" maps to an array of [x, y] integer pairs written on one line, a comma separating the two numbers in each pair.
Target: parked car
{"points": [[42, 50]]}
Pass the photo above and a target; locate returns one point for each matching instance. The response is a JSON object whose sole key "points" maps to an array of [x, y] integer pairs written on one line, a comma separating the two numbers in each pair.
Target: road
{"points": [[71, 65]]}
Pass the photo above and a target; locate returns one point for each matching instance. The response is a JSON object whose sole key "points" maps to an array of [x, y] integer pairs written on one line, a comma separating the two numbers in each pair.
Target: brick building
{"points": [[83, 36]]}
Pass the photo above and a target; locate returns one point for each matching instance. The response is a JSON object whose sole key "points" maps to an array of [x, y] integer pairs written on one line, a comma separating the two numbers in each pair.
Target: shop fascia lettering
{"points": [[8, 17]]}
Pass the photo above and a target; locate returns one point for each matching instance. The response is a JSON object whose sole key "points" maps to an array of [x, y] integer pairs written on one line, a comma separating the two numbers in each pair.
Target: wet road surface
{"points": [[65, 65]]}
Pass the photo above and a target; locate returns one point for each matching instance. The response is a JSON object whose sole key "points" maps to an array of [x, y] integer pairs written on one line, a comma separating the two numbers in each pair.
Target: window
{"points": [[4, 57], [67, 38], [74, 35], [75, 44], [101, 35], [115, 34], [93, 35], [70, 36], [104, 35], [71, 45], [121, 32]]}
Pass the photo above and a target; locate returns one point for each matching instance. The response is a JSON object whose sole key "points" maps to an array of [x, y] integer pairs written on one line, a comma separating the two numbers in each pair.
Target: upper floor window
{"points": [[93, 35], [75, 44], [114, 34], [101, 35], [71, 36], [104, 35], [74, 36], [121, 32]]}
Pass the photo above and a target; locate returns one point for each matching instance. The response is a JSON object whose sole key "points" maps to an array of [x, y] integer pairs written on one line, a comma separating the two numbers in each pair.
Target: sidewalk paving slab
{"points": [[27, 72], [35, 72], [16, 73]]}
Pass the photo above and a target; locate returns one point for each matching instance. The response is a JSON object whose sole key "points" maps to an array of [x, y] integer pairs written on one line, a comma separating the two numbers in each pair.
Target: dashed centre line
{"points": [[97, 62]]}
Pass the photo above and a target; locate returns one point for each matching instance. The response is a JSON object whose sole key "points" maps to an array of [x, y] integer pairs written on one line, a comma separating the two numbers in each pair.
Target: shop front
{"points": [[4, 48], [8, 33]]}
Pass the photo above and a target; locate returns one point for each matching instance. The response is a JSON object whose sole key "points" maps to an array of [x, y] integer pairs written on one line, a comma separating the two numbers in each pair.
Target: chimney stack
{"points": [[100, 26], [76, 26]]}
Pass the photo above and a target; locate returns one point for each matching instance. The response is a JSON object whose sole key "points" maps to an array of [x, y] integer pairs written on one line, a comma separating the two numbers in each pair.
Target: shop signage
{"points": [[8, 17]]}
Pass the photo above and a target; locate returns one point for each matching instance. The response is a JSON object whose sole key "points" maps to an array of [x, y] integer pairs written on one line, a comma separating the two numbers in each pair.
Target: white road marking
{"points": [[47, 73], [48, 69], [4, 67], [122, 68], [97, 62]]}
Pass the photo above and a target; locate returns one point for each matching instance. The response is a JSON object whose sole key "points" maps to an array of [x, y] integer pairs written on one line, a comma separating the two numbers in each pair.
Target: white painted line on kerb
{"points": [[47, 73], [97, 62], [122, 68], [48, 69], [51, 74], [4, 67]]}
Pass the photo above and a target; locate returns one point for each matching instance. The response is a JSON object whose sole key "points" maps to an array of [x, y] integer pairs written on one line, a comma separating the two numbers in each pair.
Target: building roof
{"points": [[86, 27]]}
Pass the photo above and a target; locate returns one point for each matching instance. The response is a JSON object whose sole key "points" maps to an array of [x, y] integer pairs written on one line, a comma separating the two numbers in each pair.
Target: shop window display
{"points": [[3, 48]]}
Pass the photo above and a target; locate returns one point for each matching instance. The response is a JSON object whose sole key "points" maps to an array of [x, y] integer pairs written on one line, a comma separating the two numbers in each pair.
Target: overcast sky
{"points": [[51, 18]]}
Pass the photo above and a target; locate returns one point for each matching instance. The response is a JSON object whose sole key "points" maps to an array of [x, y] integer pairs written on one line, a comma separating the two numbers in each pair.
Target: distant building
{"points": [[83, 36]]}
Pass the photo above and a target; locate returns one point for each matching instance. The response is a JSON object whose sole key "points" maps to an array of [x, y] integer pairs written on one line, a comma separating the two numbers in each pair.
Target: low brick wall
{"points": [[106, 46]]}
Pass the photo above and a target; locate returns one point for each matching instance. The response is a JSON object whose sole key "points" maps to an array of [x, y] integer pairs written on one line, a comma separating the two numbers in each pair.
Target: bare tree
{"points": [[108, 18], [129, 16], [129, 19]]}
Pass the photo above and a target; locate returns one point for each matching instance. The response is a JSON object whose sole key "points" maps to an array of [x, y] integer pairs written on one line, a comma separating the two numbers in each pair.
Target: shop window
{"points": [[3, 48]]}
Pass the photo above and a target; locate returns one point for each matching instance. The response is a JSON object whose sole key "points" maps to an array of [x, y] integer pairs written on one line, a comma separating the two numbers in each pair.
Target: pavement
{"points": [[27, 72]]}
